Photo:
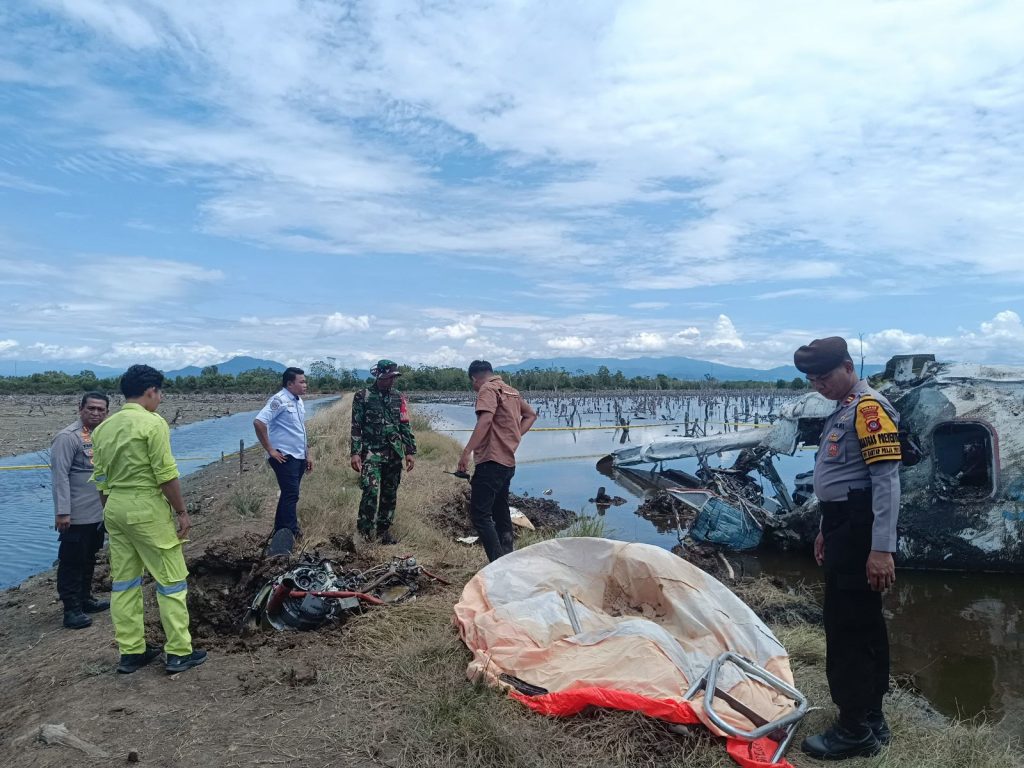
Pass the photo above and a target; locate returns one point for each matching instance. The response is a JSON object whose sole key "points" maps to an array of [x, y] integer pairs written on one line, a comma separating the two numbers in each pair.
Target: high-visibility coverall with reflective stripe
{"points": [[132, 459]]}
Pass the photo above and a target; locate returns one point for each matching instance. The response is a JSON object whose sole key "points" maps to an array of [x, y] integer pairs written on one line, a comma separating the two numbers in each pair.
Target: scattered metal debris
{"points": [[312, 593]]}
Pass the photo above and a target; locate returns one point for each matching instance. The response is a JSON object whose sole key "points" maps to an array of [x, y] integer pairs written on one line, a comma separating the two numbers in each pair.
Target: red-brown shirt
{"points": [[500, 444]]}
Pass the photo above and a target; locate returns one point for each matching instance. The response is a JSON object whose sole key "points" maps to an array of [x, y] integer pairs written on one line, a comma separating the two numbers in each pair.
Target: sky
{"points": [[438, 181]]}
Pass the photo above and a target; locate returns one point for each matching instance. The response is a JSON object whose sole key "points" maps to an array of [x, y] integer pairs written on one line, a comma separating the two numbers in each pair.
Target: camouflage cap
{"points": [[821, 355], [385, 368]]}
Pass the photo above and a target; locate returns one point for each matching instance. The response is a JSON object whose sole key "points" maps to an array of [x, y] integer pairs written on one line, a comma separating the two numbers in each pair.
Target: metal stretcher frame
{"points": [[708, 683]]}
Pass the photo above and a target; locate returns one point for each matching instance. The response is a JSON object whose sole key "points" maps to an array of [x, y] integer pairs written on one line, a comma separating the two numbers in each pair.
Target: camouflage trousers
{"points": [[379, 480]]}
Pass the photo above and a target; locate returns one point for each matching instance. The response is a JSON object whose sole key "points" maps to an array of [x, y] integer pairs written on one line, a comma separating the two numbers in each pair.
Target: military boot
{"points": [[92, 605], [876, 722], [840, 743], [385, 537], [74, 618]]}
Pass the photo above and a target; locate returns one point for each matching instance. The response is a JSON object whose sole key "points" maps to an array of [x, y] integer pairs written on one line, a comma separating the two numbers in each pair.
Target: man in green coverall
{"points": [[146, 520], [381, 438]]}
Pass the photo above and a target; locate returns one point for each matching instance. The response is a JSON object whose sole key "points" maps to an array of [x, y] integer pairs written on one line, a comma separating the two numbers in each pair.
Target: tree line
{"points": [[325, 377]]}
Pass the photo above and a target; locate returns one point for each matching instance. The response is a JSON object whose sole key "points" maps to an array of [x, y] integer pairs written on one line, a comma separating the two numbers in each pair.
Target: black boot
{"points": [[839, 743], [385, 537], [130, 662], [92, 605], [74, 618], [89, 603], [876, 722]]}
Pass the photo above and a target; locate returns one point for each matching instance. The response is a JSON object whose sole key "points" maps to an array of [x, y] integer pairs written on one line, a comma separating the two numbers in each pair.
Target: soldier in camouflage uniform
{"points": [[381, 439]]}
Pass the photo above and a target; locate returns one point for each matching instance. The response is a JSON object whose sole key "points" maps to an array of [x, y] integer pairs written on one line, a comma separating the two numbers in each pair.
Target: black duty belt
{"points": [[855, 496]]}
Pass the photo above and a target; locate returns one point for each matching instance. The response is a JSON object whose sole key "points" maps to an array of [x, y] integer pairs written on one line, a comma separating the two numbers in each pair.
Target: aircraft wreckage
{"points": [[962, 505]]}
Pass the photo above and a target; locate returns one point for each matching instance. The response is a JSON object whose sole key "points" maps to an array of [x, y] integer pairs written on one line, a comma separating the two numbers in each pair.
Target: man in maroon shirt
{"points": [[502, 418]]}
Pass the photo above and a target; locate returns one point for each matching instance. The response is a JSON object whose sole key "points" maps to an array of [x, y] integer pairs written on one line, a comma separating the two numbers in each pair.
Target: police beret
{"points": [[821, 355], [386, 368]]}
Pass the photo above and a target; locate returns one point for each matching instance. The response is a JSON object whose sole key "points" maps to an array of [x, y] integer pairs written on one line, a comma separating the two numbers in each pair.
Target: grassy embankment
{"points": [[401, 671]]}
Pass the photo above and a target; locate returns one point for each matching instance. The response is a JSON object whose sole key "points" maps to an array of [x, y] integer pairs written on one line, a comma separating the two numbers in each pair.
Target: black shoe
{"points": [[387, 538], [176, 664], [839, 743], [92, 605], [131, 662], [879, 727], [75, 619]]}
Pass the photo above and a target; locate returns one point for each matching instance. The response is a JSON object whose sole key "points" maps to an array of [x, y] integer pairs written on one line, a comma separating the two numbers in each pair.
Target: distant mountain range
{"points": [[233, 366], [72, 367], [684, 368], [27, 367], [678, 367]]}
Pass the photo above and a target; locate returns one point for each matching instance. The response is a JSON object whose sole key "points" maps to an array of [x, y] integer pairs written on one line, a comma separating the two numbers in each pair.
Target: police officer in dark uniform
{"points": [[857, 482]]}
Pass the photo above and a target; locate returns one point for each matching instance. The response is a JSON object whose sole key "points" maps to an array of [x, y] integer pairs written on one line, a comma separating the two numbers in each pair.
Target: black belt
{"points": [[855, 496]]}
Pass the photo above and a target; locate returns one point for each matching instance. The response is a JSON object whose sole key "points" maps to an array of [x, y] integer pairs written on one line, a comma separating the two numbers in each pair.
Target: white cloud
{"points": [[137, 280], [39, 350], [569, 343], [462, 329], [724, 334], [686, 336], [649, 305], [999, 340], [11, 181], [337, 323], [7, 344], [165, 356], [1004, 327], [645, 341], [128, 25]]}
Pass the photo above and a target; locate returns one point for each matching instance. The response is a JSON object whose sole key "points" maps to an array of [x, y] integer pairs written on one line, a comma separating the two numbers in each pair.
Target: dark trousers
{"points": [[857, 645], [289, 476], [76, 563], [488, 507]]}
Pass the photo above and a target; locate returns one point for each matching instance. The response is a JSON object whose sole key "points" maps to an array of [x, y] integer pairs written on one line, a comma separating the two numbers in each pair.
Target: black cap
{"points": [[821, 355]]}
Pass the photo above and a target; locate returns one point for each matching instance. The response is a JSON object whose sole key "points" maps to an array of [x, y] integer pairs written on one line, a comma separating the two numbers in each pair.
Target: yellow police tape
{"points": [[632, 426], [606, 427], [187, 458]]}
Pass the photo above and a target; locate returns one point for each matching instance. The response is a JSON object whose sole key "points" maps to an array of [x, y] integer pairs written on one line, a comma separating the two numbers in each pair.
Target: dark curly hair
{"points": [[137, 379]]}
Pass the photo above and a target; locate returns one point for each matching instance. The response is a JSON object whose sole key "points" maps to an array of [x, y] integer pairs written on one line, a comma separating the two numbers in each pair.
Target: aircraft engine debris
{"points": [[312, 593]]}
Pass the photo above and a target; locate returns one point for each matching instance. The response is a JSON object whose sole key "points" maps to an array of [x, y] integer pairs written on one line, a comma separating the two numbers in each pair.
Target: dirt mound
{"points": [[452, 514], [545, 514]]}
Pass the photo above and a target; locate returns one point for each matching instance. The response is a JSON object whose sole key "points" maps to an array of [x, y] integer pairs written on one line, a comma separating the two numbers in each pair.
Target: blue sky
{"points": [[438, 181]]}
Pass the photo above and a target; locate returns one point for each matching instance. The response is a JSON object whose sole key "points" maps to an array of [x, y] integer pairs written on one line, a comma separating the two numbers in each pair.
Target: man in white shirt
{"points": [[281, 429]]}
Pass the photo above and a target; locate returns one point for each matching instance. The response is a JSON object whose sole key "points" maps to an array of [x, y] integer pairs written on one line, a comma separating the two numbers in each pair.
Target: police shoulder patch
{"points": [[275, 404], [876, 432]]}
